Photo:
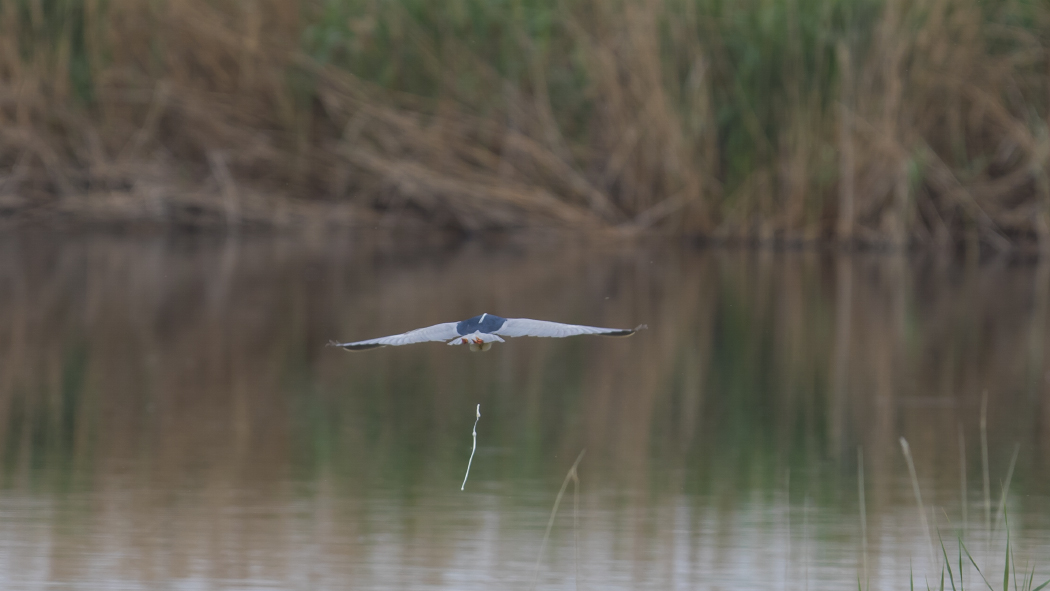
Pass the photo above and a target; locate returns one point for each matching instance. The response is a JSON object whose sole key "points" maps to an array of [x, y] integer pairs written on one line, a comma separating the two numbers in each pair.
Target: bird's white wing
{"points": [[438, 332], [525, 327]]}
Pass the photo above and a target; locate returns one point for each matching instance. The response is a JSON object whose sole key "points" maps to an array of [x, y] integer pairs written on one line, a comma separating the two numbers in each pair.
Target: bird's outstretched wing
{"points": [[525, 327], [438, 332]]}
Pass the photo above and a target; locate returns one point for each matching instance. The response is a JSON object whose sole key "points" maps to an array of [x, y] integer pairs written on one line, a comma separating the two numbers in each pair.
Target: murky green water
{"points": [[171, 419]]}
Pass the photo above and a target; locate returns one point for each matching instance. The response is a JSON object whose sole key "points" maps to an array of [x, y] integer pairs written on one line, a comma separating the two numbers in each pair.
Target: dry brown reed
{"points": [[926, 123]]}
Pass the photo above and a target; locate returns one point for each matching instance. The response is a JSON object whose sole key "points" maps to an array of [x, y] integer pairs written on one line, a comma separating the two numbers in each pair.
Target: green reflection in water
{"points": [[188, 381]]}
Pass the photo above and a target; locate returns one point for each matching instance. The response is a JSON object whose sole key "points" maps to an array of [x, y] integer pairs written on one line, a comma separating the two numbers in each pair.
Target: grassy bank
{"points": [[882, 121]]}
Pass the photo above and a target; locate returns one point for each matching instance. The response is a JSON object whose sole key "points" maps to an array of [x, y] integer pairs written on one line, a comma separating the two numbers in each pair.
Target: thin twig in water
{"points": [[787, 518], [984, 463], [962, 478], [473, 449], [571, 475], [575, 524], [805, 541], [863, 515]]}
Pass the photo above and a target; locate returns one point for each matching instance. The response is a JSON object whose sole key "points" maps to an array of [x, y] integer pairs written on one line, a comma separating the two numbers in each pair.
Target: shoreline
{"points": [[258, 214]]}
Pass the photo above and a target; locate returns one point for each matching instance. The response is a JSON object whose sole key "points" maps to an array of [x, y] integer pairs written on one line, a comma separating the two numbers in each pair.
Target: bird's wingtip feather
{"points": [[626, 332], [354, 347]]}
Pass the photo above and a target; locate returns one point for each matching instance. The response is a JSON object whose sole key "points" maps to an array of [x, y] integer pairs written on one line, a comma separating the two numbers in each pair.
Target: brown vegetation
{"points": [[891, 122]]}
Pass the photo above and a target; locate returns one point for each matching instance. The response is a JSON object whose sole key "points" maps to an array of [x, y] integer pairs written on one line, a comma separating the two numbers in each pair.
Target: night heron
{"points": [[481, 331]]}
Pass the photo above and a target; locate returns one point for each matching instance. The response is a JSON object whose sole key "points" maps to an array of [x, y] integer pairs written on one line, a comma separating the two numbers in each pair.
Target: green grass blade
{"points": [[1013, 555], [1006, 567], [947, 564], [1040, 587], [968, 555]]}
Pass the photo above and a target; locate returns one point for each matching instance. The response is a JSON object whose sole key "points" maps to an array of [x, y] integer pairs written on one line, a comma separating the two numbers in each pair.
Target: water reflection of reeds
{"points": [[172, 399]]}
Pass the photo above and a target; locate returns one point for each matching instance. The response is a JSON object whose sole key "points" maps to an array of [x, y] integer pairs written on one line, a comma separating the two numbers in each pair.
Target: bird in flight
{"points": [[481, 331]]}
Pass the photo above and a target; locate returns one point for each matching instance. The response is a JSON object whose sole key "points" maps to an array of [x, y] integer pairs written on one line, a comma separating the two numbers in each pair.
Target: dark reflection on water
{"points": [[170, 417]]}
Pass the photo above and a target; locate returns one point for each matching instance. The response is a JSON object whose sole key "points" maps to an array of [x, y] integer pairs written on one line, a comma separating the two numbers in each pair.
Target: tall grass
{"points": [[879, 120]]}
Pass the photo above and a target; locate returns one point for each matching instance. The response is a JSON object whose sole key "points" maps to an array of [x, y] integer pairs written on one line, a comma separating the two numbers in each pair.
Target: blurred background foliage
{"points": [[880, 121]]}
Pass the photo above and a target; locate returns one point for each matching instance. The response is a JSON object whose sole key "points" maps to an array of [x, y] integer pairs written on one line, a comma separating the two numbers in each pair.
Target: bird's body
{"points": [[486, 323], [481, 331]]}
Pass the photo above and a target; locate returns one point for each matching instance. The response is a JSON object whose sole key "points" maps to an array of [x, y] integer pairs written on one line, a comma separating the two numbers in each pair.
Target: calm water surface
{"points": [[171, 419]]}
